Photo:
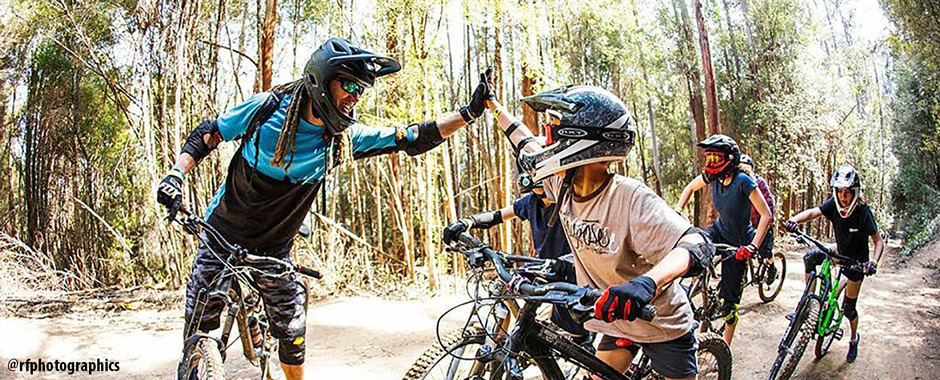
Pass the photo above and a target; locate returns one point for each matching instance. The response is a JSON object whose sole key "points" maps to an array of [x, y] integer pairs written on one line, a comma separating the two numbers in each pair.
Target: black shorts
{"points": [[766, 249], [732, 271], [675, 358], [815, 257]]}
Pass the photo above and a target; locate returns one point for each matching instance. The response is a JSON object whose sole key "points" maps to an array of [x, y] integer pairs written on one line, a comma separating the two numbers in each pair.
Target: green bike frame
{"points": [[830, 314]]}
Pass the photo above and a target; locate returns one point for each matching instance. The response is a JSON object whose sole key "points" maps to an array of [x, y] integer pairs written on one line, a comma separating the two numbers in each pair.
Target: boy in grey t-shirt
{"points": [[625, 238]]}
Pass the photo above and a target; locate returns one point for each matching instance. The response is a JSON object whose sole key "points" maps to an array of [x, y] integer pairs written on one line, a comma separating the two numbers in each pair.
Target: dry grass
{"points": [[24, 270]]}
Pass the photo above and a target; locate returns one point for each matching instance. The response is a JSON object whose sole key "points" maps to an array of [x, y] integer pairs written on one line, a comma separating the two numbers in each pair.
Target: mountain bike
{"points": [[203, 355], [530, 349], [708, 311], [492, 310], [818, 313]]}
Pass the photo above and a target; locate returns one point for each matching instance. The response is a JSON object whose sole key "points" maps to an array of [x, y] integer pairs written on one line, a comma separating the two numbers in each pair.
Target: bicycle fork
{"points": [[493, 329]]}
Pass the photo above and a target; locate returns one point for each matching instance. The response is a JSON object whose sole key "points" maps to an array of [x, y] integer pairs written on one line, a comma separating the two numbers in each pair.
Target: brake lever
{"points": [[581, 307]]}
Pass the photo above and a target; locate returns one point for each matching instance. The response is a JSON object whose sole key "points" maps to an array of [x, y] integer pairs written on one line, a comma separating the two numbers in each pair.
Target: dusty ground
{"points": [[371, 338]]}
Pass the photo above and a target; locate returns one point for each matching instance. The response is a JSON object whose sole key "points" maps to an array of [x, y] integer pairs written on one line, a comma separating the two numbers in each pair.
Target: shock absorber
{"points": [[255, 331]]}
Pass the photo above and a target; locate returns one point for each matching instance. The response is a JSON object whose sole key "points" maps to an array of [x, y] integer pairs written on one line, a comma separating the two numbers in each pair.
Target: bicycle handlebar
{"points": [[845, 261], [497, 258], [193, 224], [725, 247]]}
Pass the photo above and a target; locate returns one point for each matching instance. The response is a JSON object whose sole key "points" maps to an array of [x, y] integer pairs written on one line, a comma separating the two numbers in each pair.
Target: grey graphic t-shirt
{"points": [[617, 234]]}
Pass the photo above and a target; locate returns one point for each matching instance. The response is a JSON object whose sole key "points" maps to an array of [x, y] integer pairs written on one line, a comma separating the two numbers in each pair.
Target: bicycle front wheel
{"points": [[203, 361], [714, 357], [457, 360], [806, 326], [769, 291]]}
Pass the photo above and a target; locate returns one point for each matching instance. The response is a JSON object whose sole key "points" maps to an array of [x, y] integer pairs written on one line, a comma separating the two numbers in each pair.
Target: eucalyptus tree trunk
{"points": [[266, 41]]}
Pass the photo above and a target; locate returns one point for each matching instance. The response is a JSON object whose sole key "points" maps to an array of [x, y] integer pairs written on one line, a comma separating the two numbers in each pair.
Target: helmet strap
{"points": [[562, 195]]}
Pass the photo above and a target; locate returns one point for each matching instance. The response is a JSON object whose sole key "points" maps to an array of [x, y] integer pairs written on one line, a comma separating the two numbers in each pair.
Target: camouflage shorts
{"points": [[284, 297]]}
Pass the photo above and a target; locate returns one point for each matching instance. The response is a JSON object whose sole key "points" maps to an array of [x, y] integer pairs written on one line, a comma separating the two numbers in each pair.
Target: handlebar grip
{"points": [[309, 272], [648, 313]]}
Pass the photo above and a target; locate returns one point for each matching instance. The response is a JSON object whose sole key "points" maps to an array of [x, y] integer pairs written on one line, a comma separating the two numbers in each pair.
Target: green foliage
{"points": [[917, 186], [116, 86], [916, 109]]}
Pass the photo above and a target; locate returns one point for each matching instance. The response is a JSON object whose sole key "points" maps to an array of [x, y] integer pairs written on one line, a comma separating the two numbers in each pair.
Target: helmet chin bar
{"points": [[846, 211]]}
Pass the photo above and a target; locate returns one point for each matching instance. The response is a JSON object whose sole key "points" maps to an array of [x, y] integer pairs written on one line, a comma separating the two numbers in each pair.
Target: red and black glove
{"points": [[745, 252], [625, 301]]}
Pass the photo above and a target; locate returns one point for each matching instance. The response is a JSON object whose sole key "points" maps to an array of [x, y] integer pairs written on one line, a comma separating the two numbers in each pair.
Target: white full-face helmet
{"points": [[845, 177]]}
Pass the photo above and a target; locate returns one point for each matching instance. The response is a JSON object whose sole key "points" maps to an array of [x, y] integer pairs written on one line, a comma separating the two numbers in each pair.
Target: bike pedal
{"points": [[838, 334]]}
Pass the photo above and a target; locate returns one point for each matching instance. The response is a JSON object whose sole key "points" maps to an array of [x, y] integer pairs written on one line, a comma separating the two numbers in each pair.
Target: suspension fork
{"points": [[495, 330], [517, 337]]}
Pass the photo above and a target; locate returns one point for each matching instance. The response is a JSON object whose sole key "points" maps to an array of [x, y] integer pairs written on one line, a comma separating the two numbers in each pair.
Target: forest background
{"points": [[97, 96]]}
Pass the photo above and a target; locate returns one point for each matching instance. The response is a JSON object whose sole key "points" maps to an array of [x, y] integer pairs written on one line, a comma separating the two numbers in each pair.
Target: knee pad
{"points": [[812, 259], [291, 351], [732, 318], [848, 306]]}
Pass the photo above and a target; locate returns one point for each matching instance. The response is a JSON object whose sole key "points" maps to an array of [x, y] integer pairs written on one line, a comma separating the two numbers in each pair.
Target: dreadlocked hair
{"points": [[286, 141]]}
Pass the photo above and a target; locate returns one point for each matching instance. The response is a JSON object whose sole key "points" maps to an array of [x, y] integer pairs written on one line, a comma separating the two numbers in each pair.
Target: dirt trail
{"points": [[370, 338], [900, 324]]}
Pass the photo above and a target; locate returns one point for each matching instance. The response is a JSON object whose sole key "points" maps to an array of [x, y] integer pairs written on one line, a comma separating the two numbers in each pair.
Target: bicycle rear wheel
{"points": [[454, 361], [823, 343], [768, 292], [714, 357], [203, 361]]}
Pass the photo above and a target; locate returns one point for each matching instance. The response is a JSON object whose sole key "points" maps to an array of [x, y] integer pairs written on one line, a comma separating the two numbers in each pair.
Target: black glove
{"points": [[454, 230], [481, 94], [170, 192], [563, 270], [870, 268], [790, 225], [625, 301]]}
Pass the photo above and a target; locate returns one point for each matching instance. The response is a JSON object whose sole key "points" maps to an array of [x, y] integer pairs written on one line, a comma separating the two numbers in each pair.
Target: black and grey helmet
{"points": [[340, 56], [845, 177], [595, 127], [525, 181]]}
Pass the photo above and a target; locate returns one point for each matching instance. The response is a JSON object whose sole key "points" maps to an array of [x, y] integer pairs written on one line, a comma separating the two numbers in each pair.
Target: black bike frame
{"points": [[533, 337], [223, 285]]}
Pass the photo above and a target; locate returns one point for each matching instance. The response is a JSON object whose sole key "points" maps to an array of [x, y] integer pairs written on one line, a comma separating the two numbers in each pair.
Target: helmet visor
{"points": [[715, 160]]}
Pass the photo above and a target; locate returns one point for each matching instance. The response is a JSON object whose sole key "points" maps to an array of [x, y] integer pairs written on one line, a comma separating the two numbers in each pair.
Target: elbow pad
{"points": [[520, 138], [428, 137], [700, 254], [196, 145], [486, 219]]}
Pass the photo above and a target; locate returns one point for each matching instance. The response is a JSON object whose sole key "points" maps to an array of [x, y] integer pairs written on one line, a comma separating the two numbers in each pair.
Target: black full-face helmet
{"points": [[594, 126], [722, 156], [338, 56]]}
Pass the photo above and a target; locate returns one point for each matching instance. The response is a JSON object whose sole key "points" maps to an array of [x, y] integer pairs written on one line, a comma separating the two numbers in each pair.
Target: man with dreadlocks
{"points": [[291, 137]]}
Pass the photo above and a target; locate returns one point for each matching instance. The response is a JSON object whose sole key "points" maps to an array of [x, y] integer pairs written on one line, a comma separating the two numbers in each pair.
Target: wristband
{"points": [[465, 114], [177, 172]]}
